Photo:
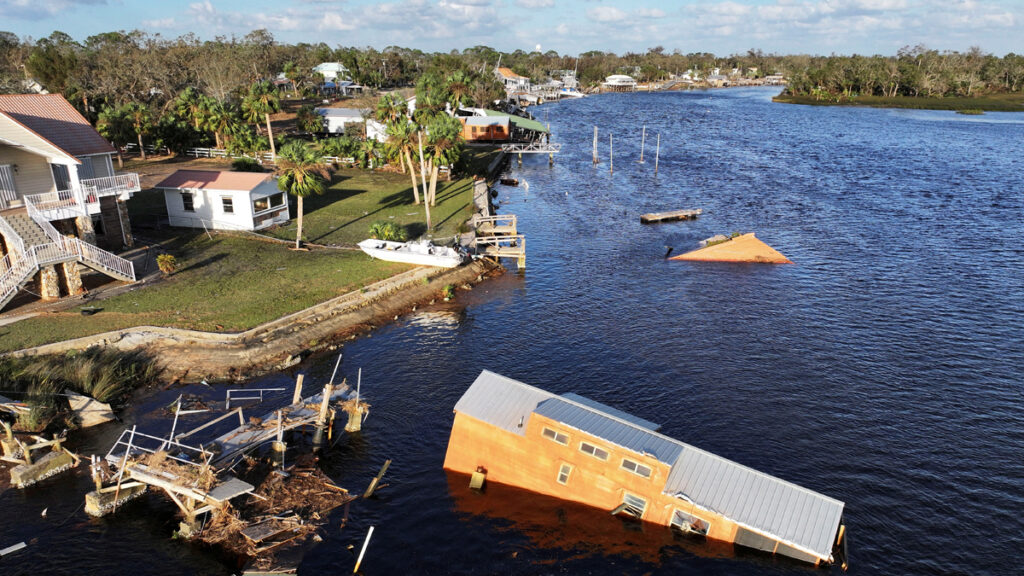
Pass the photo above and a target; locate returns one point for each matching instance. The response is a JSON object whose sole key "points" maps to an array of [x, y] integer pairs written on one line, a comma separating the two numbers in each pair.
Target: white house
{"points": [[224, 200], [332, 71], [513, 82], [341, 120]]}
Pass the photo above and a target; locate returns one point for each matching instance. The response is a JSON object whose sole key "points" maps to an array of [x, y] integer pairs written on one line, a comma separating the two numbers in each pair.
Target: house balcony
{"points": [[82, 200]]}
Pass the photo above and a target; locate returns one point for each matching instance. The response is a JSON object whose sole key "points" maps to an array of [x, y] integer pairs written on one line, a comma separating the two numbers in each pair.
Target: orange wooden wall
{"points": [[533, 462]]}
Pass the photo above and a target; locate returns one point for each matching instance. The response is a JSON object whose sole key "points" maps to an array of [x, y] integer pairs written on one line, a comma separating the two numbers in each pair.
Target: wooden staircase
{"points": [[33, 244]]}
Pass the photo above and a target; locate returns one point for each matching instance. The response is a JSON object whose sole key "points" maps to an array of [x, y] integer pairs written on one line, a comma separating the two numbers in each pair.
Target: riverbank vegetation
{"points": [[109, 376], [915, 78]]}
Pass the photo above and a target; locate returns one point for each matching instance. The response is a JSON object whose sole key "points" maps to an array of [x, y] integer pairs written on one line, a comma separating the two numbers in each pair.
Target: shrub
{"points": [[448, 292], [388, 231], [166, 263], [246, 164]]}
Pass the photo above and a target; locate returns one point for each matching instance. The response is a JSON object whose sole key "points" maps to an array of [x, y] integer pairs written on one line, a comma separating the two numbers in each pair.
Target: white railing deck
{"points": [[14, 241], [114, 185]]}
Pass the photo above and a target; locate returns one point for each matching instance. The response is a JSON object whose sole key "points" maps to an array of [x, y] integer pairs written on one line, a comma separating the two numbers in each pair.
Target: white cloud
{"points": [[606, 14], [535, 3], [41, 9]]}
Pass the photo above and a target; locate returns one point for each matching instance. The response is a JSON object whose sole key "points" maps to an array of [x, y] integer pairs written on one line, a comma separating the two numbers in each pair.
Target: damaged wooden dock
{"points": [[670, 216]]}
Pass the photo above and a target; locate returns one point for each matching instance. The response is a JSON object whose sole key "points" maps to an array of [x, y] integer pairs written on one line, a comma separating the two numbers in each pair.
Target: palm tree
{"points": [[400, 137], [189, 104], [391, 108], [444, 137], [300, 173], [459, 85], [262, 101], [115, 126], [218, 119], [140, 118]]}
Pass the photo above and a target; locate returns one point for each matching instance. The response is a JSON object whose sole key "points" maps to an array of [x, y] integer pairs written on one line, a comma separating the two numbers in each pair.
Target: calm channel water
{"points": [[884, 368]]}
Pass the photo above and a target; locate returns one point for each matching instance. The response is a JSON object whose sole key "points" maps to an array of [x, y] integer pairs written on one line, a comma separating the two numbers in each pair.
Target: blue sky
{"points": [[567, 26]]}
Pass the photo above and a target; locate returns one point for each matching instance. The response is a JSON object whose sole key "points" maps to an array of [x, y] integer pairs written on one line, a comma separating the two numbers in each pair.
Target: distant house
{"points": [[486, 128], [619, 83], [343, 120], [332, 71], [513, 82], [223, 200]]}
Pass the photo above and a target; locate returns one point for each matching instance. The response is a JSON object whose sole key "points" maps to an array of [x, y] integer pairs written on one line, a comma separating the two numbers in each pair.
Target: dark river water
{"points": [[884, 368]]}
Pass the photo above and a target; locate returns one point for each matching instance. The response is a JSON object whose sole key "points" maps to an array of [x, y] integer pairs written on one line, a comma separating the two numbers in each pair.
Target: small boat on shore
{"points": [[423, 253]]}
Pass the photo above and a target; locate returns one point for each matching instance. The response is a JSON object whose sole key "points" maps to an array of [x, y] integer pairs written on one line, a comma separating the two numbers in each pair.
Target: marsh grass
{"points": [[109, 376]]}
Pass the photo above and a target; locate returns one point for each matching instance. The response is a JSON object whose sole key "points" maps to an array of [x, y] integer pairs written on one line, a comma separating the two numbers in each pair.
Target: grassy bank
{"points": [[229, 283], [235, 282], [990, 103]]}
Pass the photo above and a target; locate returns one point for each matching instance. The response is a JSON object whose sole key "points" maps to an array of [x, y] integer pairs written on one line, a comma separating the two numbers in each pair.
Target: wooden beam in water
{"points": [[670, 216]]}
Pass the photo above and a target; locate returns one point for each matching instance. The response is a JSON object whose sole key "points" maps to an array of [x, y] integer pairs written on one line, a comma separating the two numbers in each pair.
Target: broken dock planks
{"points": [[669, 216]]}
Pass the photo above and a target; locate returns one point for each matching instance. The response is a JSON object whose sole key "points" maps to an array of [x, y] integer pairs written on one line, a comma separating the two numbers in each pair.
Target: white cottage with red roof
{"points": [[224, 200]]}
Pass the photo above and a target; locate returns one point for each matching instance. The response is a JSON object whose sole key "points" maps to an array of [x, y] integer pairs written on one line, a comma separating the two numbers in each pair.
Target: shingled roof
{"points": [[55, 120]]}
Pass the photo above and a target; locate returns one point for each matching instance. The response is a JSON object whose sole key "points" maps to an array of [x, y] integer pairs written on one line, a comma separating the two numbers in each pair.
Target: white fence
{"points": [[262, 157]]}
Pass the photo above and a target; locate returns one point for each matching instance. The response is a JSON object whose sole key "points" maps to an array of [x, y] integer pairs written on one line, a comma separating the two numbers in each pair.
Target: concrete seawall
{"points": [[191, 355]]}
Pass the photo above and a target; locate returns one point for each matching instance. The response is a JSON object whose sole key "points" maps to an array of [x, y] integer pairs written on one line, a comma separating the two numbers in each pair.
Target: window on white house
{"points": [[594, 451], [563, 474], [188, 202], [228, 203], [636, 468], [556, 436], [260, 204], [277, 200]]}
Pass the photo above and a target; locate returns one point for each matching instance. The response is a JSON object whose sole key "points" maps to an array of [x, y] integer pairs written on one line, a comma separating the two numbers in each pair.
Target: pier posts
{"points": [[297, 396], [643, 142], [520, 158], [278, 447], [657, 152], [321, 420], [595, 145], [611, 156]]}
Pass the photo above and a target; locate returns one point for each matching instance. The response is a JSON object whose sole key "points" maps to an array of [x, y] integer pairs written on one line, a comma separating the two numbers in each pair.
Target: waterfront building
{"points": [[222, 200], [619, 83], [576, 449], [513, 82]]}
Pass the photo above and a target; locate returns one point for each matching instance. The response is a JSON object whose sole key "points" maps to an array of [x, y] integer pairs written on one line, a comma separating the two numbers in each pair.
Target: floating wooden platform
{"points": [[670, 216], [499, 225]]}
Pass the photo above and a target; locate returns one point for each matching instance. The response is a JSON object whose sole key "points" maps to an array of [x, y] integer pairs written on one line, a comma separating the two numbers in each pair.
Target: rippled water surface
{"points": [[884, 368]]}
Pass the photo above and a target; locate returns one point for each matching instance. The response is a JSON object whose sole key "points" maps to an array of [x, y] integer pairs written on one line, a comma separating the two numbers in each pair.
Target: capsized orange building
{"points": [[743, 248], [577, 449]]}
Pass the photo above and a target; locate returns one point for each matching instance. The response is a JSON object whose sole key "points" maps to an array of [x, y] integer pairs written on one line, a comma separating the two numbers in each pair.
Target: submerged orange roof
{"points": [[745, 248], [508, 73], [55, 120], [214, 180]]}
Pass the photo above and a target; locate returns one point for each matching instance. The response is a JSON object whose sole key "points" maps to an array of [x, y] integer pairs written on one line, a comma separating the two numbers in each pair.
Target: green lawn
{"points": [[358, 198], [229, 283], [234, 282]]}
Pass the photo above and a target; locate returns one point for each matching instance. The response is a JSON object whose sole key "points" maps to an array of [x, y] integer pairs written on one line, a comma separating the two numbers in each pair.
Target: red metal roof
{"points": [[55, 120], [214, 180]]}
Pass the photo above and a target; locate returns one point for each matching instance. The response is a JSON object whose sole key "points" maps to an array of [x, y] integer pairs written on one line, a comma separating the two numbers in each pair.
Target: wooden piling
{"points": [[376, 480], [611, 156], [595, 144], [298, 389], [643, 142], [657, 152], [363, 551]]}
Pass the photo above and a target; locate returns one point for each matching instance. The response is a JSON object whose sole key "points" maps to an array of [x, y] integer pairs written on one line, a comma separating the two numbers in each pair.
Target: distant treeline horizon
{"points": [[117, 68]]}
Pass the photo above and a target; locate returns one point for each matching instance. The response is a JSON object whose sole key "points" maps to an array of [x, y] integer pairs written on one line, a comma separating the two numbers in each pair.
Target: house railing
{"points": [[85, 252], [114, 185], [54, 205], [6, 197], [11, 237], [21, 269], [99, 257]]}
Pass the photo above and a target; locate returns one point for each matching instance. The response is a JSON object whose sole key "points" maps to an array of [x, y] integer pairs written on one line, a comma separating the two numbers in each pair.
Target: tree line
{"points": [[914, 72]]}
